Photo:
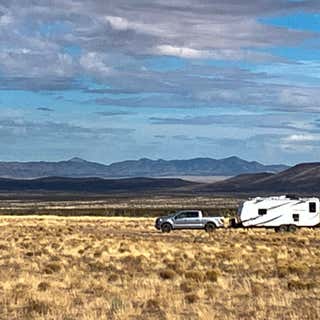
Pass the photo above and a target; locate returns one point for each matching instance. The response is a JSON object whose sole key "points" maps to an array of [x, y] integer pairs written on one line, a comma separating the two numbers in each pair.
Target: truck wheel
{"points": [[209, 227], [282, 228], [166, 227], [292, 228]]}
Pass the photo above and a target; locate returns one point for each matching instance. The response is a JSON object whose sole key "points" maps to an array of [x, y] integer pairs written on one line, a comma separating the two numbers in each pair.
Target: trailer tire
{"points": [[292, 228], [209, 227], [282, 228], [166, 227]]}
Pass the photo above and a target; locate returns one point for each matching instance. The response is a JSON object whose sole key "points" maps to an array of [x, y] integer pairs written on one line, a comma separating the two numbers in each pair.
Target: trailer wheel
{"points": [[166, 227], [209, 227], [292, 228], [282, 228]]}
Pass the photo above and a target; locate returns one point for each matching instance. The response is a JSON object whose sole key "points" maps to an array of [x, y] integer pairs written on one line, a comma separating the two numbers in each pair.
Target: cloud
{"points": [[113, 113], [181, 52], [301, 138], [214, 57], [93, 63], [218, 54], [20, 128], [45, 109], [118, 23], [36, 36], [275, 121]]}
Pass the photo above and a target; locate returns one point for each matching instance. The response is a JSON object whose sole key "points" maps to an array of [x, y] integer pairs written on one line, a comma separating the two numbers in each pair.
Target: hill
{"points": [[91, 185], [302, 178], [77, 167]]}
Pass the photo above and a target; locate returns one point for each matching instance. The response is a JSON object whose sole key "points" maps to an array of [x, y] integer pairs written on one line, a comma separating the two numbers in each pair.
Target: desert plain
{"points": [[70, 268]]}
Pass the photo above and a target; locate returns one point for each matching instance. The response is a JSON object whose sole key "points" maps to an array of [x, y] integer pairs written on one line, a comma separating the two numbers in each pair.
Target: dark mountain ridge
{"points": [[302, 178], [91, 185]]}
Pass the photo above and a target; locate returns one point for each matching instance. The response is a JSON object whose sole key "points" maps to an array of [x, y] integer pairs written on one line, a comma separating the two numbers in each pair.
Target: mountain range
{"points": [[302, 179], [79, 168]]}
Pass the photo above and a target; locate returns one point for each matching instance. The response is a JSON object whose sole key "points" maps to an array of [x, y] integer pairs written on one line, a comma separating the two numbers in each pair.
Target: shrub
{"points": [[300, 285], [43, 286], [194, 275], [187, 286], [116, 305], [191, 298], [51, 268], [212, 275], [36, 306], [113, 277], [152, 310], [167, 274]]}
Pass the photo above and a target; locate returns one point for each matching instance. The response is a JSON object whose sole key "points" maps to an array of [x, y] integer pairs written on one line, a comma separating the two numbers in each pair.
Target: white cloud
{"points": [[218, 54], [301, 138], [118, 23], [182, 52], [94, 63], [6, 20]]}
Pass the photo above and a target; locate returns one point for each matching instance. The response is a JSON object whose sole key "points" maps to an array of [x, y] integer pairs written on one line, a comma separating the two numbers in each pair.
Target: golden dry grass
{"points": [[122, 268]]}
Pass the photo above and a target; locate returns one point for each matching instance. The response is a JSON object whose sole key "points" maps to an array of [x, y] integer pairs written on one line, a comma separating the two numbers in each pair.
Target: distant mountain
{"points": [[302, 178], [77, 167]]}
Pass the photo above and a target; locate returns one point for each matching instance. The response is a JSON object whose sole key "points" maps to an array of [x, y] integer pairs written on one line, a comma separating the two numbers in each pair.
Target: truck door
{"points": [[193, 219], [188, 219], [180, 220]]}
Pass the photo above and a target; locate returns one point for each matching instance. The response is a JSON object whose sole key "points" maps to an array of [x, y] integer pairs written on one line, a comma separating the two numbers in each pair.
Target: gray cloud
{"points": [[114, 36], [113, 113], [45, 109], [266, 148], [284, 121], [19, 128]]}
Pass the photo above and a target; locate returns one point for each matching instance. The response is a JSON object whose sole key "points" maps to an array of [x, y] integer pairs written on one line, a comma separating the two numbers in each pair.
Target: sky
{"points": [[172, 79]]}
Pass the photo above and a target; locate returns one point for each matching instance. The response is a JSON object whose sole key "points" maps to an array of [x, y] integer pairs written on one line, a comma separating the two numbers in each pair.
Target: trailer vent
{"points": [[295, 217], [262, 212], [292, 197]]}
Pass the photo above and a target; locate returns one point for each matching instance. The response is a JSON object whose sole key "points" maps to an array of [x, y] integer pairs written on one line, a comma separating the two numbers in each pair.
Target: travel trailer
{"points": [[283, 213]]}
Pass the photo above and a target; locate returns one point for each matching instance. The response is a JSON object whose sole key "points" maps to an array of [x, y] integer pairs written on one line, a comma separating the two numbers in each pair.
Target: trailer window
{"points": [[312, 207], [262, 212]]}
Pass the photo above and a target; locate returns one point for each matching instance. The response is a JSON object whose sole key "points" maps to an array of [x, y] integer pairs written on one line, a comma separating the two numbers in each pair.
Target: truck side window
{"points": [[181, 216], [193, 214], [312, 207], [262, 212]]}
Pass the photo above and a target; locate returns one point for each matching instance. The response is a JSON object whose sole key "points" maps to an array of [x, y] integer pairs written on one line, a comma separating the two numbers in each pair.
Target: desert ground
{"points": [[122, 268]]}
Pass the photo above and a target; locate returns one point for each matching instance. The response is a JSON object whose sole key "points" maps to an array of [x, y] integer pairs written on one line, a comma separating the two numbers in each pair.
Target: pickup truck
{"points": [[188, 219]]}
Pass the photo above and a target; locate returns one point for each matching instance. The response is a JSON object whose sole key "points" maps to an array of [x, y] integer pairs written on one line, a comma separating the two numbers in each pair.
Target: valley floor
{"points": [[122, 268]]}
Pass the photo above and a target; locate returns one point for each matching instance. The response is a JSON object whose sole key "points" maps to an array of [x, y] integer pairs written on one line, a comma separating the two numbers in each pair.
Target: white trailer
{"points": [[283, 213]]}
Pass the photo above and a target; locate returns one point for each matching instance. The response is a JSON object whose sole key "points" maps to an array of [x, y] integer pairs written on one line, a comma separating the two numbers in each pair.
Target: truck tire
{"points": [[209, 227], [166, 227]]}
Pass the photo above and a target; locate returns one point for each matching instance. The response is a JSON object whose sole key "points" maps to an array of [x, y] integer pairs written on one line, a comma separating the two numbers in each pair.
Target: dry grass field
{"points": [[122, 268]]}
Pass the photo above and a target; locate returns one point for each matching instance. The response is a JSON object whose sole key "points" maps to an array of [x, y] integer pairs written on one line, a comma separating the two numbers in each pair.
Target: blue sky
{"points": [[115, 80]]}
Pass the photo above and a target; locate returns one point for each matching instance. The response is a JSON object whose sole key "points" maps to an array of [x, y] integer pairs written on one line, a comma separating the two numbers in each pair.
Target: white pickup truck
{"points": [[188, 219]]}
